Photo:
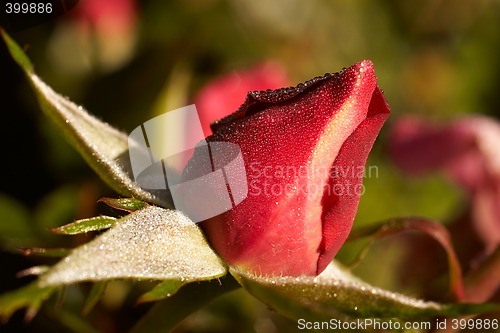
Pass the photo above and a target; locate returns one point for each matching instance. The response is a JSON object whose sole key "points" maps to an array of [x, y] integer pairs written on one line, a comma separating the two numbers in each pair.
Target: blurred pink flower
{"points": [[111, 17], [225, 94], [467, 150], [97, 34]]}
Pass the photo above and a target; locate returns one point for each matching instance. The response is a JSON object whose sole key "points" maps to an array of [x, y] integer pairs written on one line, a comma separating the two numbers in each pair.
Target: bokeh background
{"points": [[127, 61]]}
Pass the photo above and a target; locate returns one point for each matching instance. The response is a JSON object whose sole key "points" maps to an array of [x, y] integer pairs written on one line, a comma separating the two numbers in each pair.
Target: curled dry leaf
{"points": [[425, 225]]}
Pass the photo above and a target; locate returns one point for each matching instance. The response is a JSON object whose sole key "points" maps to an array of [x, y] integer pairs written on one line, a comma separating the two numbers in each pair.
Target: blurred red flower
{"points": [[304, 150]]}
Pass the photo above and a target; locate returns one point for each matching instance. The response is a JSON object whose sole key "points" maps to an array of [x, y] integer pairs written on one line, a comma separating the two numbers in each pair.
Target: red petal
{"points": [[351, 160]]}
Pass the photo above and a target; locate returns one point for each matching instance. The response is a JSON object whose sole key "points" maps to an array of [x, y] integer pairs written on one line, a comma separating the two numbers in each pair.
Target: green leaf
{"points": [[15, 227], [165, 315], [126, 204], [151, 243], [427, 226], [86, 225], [162, 290], [95, 295], [17, 53], [103, 147], [32, 296], [337, 294], [73, 322], [56, 208]]}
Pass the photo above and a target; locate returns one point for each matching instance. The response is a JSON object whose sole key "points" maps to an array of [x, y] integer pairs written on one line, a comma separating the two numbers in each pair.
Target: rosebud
{"points": [[223, 95], [304, 150]]}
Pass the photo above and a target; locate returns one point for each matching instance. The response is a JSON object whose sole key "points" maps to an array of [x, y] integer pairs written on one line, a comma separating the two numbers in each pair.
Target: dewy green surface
{"points": [[103, 147], [335, 293], [152, 243]]}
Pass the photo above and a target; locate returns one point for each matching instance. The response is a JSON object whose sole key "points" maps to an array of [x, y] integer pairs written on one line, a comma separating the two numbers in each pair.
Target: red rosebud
{"points": [[304, 150]]}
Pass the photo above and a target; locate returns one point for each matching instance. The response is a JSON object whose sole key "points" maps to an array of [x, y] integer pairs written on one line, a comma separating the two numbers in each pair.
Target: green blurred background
{"points": [[437, 59]]}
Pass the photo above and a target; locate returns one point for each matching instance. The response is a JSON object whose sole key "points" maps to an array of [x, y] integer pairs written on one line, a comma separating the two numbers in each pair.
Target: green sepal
{"points": [[30, 297], [162, 290], [94, 296], [86, 225], [126, 204]]}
